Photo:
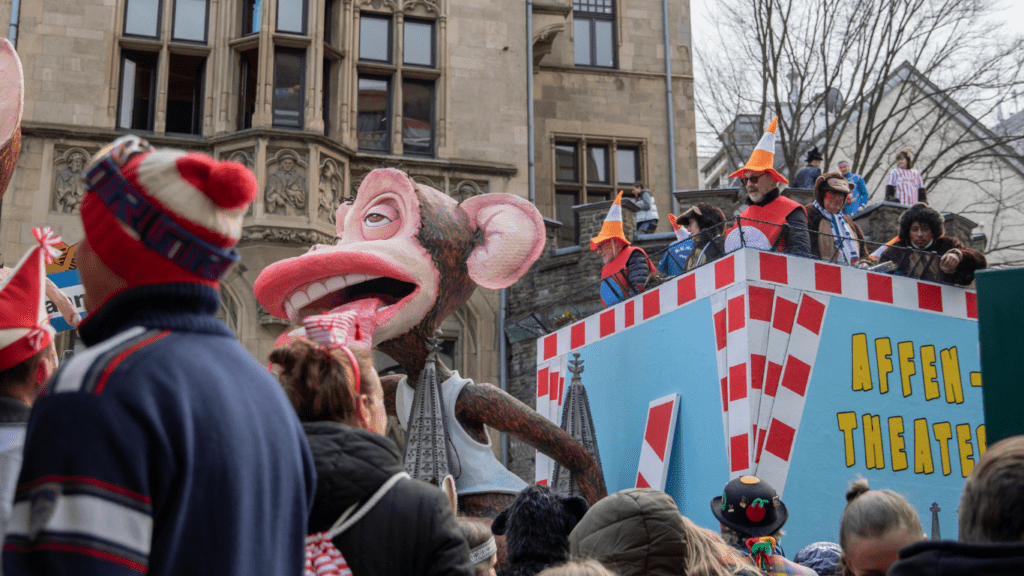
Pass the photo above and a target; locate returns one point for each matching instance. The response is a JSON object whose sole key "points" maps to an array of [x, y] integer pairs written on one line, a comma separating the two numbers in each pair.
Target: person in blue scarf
{"points": [[834, 236]]}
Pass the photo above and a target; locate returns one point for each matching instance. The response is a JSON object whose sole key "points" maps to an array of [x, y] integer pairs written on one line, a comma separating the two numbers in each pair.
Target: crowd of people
{"points": [[823, 229]]}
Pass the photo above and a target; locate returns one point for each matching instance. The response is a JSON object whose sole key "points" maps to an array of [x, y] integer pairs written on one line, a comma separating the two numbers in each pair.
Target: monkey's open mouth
{"points": [[374, 294]]}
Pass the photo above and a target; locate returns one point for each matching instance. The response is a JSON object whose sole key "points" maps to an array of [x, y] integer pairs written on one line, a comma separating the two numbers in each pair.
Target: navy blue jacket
{"points": [[163, 448]]}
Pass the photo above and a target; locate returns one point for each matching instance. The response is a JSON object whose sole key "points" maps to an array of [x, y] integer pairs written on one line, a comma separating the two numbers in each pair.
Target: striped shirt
{"points": [[906, 183]]}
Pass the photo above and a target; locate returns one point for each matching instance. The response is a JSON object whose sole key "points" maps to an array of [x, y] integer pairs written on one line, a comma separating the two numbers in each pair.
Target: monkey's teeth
{"points": [[299, 299], [335, 283], [289, 310], [383, 308], [315, 291]]}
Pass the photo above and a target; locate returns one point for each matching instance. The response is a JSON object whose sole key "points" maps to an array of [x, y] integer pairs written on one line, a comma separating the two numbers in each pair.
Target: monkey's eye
{"points": [[376, 219]]}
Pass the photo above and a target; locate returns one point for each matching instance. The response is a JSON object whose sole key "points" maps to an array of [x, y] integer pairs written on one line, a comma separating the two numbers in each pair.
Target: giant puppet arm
{"points": [[481, 404]]}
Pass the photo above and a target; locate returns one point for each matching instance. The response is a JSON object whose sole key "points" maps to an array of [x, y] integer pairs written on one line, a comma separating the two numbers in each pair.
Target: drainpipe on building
{"points": [[12, 34], [669, 102]]}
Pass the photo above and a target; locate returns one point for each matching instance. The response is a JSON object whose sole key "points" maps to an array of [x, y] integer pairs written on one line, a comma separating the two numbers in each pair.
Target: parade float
{"points": [[804, 373]]}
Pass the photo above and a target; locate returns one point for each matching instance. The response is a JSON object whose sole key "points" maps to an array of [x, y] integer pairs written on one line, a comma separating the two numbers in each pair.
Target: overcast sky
{"points": [[1012, 14]]}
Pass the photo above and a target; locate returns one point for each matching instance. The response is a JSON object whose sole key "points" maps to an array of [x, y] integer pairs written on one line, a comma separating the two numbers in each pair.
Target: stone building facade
{"points": [[313, 94]]}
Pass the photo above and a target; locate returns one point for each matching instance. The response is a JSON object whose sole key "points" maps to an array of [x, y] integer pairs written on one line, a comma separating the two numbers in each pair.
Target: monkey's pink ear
{"points": [[513, 238], [339, 217]]}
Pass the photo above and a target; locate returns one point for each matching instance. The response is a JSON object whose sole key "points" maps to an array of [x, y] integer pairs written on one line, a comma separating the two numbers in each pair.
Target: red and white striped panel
{"points": [[659, 432], [550, 378], [737, 353], [676, 293], [718, 318], [859, 284], [760, 300], [783, 314], [792, 393]]}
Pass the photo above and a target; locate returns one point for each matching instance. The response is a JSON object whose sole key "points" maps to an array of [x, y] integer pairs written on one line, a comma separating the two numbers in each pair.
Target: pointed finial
{"points": [[434, 346], [576, 365]]}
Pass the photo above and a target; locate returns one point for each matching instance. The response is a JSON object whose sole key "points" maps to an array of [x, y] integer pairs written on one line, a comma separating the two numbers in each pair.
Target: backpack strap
{"points": [[348, 518]]}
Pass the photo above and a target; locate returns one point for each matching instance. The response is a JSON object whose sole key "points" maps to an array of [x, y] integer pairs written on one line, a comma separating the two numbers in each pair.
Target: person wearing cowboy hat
{"points": [[165, 447], [808, 174], [769, 221], [751, 516], [834, 236], [705, 223], [626, 268]]}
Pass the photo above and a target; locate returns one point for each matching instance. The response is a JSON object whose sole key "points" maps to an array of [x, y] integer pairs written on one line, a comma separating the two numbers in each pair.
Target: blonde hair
{"points": [[876, 513], [587, 567], [707, 554]]}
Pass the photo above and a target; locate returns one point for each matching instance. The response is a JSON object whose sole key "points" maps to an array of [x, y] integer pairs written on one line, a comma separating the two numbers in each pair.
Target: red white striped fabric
{"points": [[783, 314], [659, 432], [761, 299], [550, 382], [738, 355], [792, 393], [323, 558], [906, 183], [718, 318]]}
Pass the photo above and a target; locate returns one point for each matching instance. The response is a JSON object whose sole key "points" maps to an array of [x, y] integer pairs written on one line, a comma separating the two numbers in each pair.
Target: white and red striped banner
{"points": [[718, 317], [760, 300], [550, 382], [659, 432], [783, 315], [792, 393], [737, 355]]}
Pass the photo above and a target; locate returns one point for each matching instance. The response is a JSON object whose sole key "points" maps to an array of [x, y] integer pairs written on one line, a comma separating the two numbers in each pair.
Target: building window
{"points": [[329, 21], [190, 18], [419, 44], [393, 81], [375, 39], [372, 122], [590, 181], [185, 94], [142, 18], [289, 86], [627, 162], [291, 16], [251, 14], [249, 61], [418, 117], [325, 103], [594, 33], [138, 84]]}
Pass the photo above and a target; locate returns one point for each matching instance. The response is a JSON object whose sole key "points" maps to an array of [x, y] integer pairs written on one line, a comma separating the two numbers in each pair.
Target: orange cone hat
{"points": [[681, 233], [24, 326], [763, 157], [612, 227]]}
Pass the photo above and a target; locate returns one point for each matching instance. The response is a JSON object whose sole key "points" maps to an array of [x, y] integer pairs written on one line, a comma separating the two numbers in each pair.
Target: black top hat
{"points": [[813, 154], [750, 506]]}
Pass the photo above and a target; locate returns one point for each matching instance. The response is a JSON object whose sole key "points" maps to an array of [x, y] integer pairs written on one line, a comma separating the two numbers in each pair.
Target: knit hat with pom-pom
{"points": [[163, 216]]}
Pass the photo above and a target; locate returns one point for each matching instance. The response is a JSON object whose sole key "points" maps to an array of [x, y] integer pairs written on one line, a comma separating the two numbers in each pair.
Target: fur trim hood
{"points": [[921, 212]]}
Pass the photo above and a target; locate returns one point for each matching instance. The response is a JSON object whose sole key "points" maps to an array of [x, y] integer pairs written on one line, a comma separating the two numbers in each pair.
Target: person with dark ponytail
{"points": [[389, 523], [875, 525]]}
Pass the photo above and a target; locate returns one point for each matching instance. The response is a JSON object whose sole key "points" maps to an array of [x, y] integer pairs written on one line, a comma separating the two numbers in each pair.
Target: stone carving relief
{"points": [[543, 40], [68, 186], [462, 189], [290, 236], [286, 193], [331, 189], [428, 5], [247, 159], [378, 4]]}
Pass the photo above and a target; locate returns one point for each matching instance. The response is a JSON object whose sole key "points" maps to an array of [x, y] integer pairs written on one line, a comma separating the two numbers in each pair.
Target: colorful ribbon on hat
{"points": [[334, 331], [49, 241], [761, 550]]}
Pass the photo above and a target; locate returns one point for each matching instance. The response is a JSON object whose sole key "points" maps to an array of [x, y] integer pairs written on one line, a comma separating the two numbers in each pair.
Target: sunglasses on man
{"points": [[752, 178]]}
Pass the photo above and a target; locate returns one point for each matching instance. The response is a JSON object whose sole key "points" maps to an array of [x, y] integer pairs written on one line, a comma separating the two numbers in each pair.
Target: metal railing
{"points": [[586, 301]]}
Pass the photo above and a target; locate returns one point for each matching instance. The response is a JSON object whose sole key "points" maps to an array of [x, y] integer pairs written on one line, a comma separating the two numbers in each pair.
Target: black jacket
{"points": [[949, 558], [411, 530]]}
